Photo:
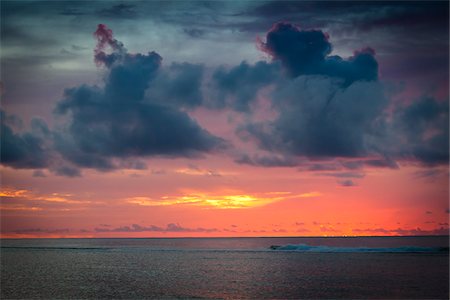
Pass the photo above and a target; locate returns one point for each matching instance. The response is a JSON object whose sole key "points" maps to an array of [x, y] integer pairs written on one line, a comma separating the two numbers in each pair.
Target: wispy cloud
{"points": [[171, 227], [27, 200], [197, 171], [29, 195], [402, 231]]}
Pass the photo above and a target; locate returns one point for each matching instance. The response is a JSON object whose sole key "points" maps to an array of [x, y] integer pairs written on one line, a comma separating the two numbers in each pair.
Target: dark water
{"points": [[378, 267]]}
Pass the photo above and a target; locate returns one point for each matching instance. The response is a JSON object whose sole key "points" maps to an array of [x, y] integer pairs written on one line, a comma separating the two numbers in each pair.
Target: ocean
{"points": [[226, 268]]}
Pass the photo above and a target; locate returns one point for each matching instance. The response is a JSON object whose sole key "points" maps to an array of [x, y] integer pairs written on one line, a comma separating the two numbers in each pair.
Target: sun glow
{"points": [[228, 200]]}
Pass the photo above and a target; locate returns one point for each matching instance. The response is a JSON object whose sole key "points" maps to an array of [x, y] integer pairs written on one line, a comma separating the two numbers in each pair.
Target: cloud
{"points": [[421, 16], [118, 121], [237, 87], [329, 113], [267, 161], [121, 10], [402, 231], [43, 230], [171, 227], [105, 38], [39, 173], [197, 171], [30, 201], [351, 164], [431, 175], [26, 150], [108, 125], [179, 85], [219, 200], [307, 52], [194, 32], [344, 174], [67, 171], [347, 183], [336, 108], [319, 119], [421, 131]]}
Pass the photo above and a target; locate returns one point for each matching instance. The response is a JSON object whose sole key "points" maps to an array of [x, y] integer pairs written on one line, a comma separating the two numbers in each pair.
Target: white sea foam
{"points": [[404, 249]]}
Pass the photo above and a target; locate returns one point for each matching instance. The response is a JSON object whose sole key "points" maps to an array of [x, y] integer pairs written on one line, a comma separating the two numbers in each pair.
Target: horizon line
{"points": [[230, 237]]}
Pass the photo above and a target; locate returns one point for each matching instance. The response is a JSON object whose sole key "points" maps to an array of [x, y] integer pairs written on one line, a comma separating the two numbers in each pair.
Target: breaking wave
{"points": [[404, 249]]}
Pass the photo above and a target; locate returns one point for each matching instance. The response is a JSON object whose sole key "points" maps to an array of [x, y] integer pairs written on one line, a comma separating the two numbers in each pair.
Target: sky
{"points": [[236, 118]]}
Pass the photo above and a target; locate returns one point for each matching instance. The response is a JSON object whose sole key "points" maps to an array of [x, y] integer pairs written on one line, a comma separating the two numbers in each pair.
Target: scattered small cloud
{"points": [[171, 227], [402, 231], [344, 174], [347, 183], [197, 171]]}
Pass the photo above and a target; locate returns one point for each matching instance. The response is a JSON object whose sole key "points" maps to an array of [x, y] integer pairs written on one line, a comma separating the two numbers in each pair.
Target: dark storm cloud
{"points": [[117, 121], [336, 108], [328, 108], [26, 150], [307, 52], [107, 126], [318, 118]]}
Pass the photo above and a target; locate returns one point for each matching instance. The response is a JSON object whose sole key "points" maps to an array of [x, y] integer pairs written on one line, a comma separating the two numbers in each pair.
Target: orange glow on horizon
{"points": [[228, 200]]}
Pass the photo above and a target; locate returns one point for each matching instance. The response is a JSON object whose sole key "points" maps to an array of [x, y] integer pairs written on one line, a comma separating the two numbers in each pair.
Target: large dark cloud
{"points": [[117, 121], [307, 52], [337, 108], [329, 106], [319, 118], [106, 127], [327, 109]]}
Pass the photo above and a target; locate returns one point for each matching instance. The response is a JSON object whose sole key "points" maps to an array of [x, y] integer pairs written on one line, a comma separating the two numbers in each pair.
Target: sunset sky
{"points": [[198, 118]]}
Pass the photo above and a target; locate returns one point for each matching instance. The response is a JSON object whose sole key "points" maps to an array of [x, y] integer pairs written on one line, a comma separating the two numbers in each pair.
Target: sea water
{"points": [[226, 268]]}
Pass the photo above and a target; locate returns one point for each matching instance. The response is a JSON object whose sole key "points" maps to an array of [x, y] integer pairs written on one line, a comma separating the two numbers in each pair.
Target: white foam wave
{"points": [[404, 249]]}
